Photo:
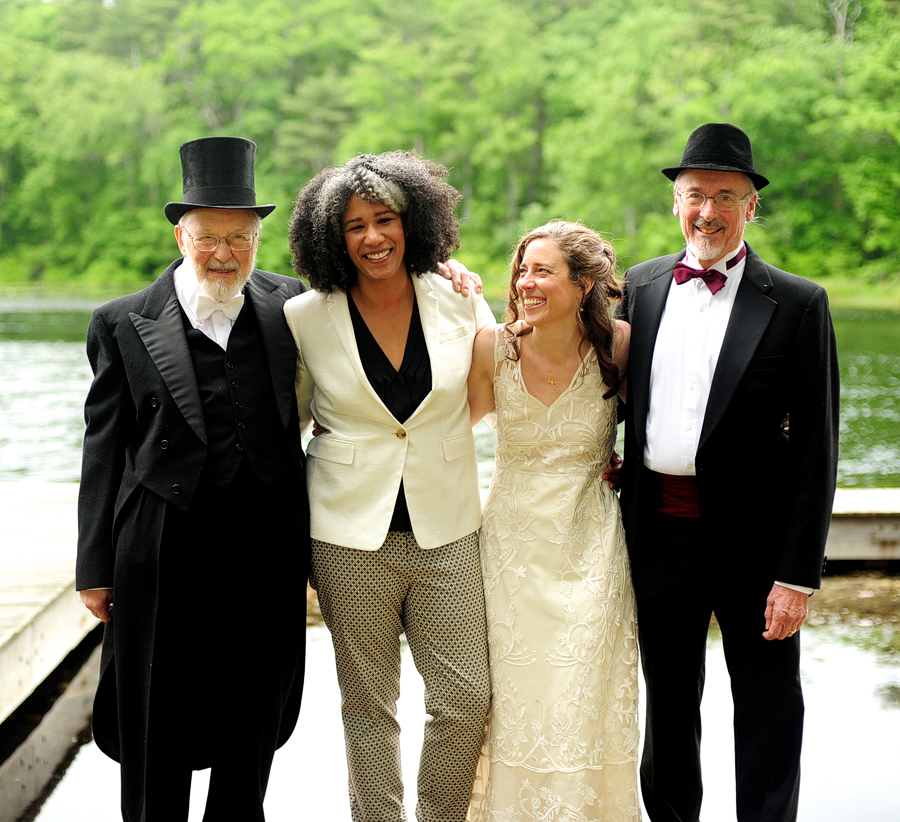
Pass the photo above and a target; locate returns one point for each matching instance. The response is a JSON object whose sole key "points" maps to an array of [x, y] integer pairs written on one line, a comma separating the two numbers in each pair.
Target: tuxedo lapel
{"points": [[750, 316], [281, 352], [161, 329], [647, 302]]}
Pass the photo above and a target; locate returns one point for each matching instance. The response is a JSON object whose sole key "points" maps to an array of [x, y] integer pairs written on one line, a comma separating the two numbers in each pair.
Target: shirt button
{"points": [[401, 434], [235, 384], [240, 447], [164, 444], [176, 489]]}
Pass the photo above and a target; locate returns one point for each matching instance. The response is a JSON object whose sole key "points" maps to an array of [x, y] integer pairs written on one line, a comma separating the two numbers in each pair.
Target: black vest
{"points": [[239, 408]]}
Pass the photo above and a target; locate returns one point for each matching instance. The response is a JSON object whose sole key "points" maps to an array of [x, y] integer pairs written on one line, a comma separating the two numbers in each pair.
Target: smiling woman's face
{"points": [[711, 233], [544, 285], [375, 239]]}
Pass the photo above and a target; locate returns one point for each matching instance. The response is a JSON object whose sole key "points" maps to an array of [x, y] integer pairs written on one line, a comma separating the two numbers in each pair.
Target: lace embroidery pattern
{"points": [[563, 737]]}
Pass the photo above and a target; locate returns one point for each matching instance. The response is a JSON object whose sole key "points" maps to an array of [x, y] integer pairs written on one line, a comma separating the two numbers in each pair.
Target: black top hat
{"points": [[718, 147], [217, 172]]}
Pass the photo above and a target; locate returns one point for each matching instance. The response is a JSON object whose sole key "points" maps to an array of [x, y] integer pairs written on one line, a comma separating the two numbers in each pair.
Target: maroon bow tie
{"points": [[714, 279]]}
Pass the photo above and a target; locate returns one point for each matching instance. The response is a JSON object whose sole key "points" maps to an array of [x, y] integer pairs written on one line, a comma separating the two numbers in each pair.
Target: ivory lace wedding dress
{"points": [[563, 736]]}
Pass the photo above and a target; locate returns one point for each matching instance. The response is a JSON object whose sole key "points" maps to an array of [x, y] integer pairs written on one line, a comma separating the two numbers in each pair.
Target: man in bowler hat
{"points": [[193, 532], [731, 433]]}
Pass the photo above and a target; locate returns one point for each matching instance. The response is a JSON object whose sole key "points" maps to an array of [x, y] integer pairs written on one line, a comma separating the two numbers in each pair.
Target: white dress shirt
{"points": [[217, 326], [684, 360]]}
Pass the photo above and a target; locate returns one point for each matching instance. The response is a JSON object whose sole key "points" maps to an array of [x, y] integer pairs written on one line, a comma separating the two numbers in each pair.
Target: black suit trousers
{"points": [[682, 576]]}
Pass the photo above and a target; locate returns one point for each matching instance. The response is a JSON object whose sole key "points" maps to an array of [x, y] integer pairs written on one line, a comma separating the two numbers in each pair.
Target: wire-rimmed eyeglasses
{"points": [[210, 242]]}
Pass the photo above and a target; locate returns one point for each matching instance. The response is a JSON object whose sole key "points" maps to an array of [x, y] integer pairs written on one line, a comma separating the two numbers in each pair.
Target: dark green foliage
{"points": [[541, 108]]}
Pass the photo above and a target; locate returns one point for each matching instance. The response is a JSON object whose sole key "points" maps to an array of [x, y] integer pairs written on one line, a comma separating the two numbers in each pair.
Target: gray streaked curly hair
{"points": [[410, 185]]}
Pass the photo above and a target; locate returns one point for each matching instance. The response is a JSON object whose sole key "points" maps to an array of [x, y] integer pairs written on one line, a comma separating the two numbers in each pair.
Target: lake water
{"points": [[45, 376]]}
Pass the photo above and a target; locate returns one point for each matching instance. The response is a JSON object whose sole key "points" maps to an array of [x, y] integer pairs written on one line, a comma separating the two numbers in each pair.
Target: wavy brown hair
{"points": [[410, 185], [591, 259]]}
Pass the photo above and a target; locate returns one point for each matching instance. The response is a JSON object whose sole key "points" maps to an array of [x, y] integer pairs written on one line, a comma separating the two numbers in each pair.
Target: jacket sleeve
{"points": [[109, 416], [813, 445]]}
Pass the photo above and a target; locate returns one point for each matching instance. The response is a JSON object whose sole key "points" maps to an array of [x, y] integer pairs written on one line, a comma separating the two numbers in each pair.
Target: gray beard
{"points": [[705, 249], [224, 290]]}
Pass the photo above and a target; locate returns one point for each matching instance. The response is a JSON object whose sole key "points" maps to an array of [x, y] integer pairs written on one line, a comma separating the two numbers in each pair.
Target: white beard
{"points": [[707, 248], [223, 288]]}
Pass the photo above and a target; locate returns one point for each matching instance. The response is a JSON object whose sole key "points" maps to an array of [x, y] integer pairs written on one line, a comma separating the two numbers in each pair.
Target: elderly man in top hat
{"points": [[728, 481], [193, 533]]}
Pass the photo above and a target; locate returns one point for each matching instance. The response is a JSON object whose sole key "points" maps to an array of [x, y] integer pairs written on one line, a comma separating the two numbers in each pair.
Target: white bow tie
{"points": [[231, 308]]}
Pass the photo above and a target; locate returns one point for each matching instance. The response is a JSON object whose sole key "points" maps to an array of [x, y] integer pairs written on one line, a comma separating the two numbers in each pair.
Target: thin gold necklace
{"points": [[543, 359]]}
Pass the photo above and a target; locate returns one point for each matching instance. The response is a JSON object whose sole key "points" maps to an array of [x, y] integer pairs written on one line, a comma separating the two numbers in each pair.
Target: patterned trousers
{"points": [[436, 596]]}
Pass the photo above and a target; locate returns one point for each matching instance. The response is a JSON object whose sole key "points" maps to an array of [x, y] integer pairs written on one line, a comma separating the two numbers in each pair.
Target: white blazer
{"points": [[353, 472]]}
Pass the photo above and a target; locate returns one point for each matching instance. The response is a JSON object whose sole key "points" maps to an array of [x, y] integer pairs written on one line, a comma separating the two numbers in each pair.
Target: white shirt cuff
{"points": [[801, 588]]}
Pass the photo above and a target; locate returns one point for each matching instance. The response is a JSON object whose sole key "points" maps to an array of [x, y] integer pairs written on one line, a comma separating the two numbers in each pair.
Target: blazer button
{"points": [[401, 434], [164, 444], [176, 489], [154, 402]]}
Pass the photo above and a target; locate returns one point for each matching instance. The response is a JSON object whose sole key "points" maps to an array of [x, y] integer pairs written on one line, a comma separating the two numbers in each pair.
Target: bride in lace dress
{"points": [[563, 737]]}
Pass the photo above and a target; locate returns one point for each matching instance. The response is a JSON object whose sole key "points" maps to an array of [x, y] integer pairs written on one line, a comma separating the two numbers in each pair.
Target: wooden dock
{"points": [[865, 524], [41, 616]]}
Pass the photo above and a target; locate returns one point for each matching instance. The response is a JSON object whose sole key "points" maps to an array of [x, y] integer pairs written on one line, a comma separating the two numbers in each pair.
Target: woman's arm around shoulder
{"points": [[481, 374], [620, 354]]}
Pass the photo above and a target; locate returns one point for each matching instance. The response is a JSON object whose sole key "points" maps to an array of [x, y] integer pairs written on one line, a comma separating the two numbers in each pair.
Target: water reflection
{"points": [[41, 418], [850, 756], [869, 353], [45, 378]]}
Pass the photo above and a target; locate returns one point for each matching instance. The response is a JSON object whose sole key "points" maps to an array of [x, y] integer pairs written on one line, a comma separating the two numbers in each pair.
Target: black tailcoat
{"points": [[145, 447]]}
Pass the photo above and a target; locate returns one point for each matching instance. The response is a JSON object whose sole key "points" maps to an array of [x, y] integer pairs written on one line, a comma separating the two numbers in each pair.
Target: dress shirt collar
{"points": [[216, 326]]}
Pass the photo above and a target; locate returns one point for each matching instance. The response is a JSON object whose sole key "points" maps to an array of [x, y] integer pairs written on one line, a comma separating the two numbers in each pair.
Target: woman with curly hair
{"points": [[563, 734], [384, 346]]}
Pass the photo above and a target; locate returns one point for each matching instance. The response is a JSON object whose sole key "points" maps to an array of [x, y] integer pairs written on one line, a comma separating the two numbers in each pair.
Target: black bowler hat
{"points": [[217, 172], [718, 147]]}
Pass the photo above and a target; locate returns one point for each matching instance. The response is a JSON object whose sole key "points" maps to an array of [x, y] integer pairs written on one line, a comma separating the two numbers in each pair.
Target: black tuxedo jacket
{"points": [[768, 494]]}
